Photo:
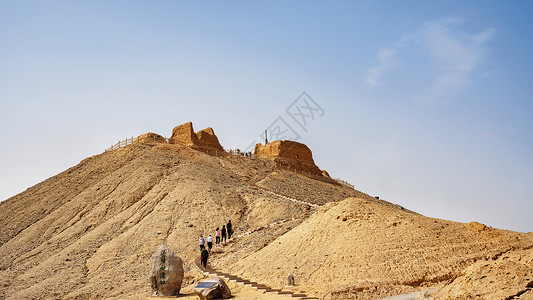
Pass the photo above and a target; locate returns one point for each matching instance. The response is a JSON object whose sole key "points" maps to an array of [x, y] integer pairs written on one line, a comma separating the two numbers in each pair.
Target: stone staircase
{"points": [[254, 182], [289, 198], [208, 271], [261, 228]]}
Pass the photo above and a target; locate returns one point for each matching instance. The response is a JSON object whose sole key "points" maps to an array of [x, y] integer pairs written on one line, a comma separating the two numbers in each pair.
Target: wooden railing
{"points": [[315, 176], [226, 152], [125, 142], [343, 182], [239, 152], [120, 144]]}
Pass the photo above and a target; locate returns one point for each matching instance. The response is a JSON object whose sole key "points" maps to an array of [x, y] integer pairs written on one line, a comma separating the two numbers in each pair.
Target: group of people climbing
{"points": [[227, 231], [220, 235]]}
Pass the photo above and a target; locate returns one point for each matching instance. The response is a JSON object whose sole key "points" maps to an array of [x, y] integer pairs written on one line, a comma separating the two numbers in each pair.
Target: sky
{"points": [[427, 104]]}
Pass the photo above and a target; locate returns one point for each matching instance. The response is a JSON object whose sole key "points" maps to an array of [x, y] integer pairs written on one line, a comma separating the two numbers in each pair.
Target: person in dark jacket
{"points": [[204, 256], [229, 227], [223, 239]]}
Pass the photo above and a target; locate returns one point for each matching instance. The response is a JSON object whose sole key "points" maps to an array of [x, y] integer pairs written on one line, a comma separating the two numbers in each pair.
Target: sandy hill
{"points": [[90, 232], [360, 249]]}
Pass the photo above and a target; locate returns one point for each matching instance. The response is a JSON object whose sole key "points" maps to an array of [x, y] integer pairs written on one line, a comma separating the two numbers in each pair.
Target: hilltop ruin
{"points": [[203, 139], [289, 154]]}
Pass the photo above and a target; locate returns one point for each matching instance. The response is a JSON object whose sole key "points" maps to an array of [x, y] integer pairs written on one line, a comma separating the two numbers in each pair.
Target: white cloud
{"points": [[387, 61], [451, 54]]}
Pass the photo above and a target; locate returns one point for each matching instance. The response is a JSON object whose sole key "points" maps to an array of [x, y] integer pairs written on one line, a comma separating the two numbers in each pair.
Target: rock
{"points": [[477, 227], [217, 250], [204, 139], [325, 173], [209, 139], [150, 138], [424, 296], [184, 134], [290, 280], [214, 288], [166, 274], [288, 154]]}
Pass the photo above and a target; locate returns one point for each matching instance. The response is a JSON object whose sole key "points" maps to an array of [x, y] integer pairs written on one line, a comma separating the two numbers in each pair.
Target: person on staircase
{"points": [[203, 258], [202, 242], [217, 236], [209, 242], [229, 227], [223, 239]]}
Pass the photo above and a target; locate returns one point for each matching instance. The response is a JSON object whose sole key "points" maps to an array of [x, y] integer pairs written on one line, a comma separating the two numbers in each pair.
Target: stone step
{"points": [[261, 287], [211, 271], [285, 292]]}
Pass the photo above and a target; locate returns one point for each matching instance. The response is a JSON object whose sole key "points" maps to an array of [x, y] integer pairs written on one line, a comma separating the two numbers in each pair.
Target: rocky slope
{"points": [[90, 232], [502, 277]]}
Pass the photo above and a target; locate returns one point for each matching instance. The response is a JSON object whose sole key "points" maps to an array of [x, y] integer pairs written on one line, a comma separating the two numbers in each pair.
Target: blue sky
{"points": [[426, 104]]}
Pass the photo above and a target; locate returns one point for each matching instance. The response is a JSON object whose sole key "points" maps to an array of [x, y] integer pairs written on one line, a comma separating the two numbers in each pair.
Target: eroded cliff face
{"points": [[289, 154]]}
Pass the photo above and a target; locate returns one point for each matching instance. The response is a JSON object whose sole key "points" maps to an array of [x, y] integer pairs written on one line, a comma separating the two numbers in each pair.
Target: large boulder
{"points": [[166, 274], [214, 288], [288, 154]]}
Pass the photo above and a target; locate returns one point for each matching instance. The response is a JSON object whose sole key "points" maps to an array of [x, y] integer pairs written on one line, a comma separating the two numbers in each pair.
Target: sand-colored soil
{"points": [[356, 247], [90, 232], [511, 274]]}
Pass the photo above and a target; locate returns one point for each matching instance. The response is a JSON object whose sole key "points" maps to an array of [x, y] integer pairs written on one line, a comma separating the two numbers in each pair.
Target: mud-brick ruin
{"points": [[286, 154]]}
